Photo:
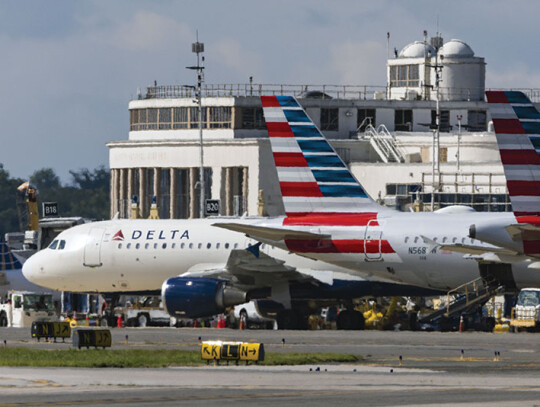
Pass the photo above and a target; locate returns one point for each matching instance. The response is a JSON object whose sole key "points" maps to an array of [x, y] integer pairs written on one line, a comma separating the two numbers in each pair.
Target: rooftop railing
{"points": [[353, 92]]}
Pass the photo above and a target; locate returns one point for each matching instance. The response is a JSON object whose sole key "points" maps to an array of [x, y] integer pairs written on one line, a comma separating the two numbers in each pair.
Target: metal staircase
{"points": [[469, 294], [383, 142]]}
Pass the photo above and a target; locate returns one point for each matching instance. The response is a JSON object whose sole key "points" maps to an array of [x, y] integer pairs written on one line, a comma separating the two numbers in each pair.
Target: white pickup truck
{"points": [[21, 308]]}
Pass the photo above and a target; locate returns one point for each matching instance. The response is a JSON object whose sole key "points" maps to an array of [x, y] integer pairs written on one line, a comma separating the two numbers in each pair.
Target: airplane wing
{"points": [[252, 268], [267, 233]]}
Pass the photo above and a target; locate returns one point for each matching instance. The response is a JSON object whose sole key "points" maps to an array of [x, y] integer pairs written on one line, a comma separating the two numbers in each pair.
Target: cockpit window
{"points": [[53, 245], [61, 245]]}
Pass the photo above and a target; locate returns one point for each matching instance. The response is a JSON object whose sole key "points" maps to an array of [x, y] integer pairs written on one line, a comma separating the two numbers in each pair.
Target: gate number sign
{"points": [[211, 207]]}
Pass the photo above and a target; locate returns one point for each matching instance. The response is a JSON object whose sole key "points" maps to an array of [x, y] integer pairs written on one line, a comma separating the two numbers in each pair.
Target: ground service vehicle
{"points": [[526, 313], [23, 307]]}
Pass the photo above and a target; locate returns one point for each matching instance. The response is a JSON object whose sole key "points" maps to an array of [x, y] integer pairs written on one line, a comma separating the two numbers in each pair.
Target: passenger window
{"points": [[119, 245], [191, 245], [164, 246], [444, 239], [434, 239], [236, 245], [128, 246], [173, 245], [462, 240], [217, 245], [62, 245], [138, 245], [406, 239], [182, 245], [199, 246], [146, 245], [416, 239], [209, 246], [155, 245], [454, 239], [53, 245], [263, 246], [226, 245]]}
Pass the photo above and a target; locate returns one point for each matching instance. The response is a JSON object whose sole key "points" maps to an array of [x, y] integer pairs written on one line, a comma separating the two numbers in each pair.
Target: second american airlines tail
{"points": [[330, 217]]}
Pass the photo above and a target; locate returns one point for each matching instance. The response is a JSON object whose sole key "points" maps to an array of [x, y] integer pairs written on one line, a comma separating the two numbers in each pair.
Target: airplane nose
{"points": [[31, 269]]}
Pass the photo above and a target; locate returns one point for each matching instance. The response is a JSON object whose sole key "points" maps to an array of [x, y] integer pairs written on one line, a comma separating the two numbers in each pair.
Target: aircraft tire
{"points": [[349, 320], [3, 320]]}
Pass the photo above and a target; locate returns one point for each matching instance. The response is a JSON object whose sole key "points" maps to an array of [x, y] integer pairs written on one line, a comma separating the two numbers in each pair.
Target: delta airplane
{"points": [[329, 216], [200, 270]]}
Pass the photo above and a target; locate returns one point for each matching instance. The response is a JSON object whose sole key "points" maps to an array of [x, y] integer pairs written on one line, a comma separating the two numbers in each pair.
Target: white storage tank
{"points": [[463, 74]]}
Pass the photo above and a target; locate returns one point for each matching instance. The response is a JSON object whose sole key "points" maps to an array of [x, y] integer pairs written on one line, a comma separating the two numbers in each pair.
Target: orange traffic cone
{"points": [[461, 324]]}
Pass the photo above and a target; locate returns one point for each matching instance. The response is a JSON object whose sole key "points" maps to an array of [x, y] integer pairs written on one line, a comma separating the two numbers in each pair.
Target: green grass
{"points": [[19, 356]]}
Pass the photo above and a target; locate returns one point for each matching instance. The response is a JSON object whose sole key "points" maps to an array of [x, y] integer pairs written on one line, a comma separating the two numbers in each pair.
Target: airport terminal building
{"points": [[385, 134]]}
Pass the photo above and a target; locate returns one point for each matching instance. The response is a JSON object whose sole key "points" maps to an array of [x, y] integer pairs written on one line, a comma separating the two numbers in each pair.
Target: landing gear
{"points": [[350, 320], [108, 314]]}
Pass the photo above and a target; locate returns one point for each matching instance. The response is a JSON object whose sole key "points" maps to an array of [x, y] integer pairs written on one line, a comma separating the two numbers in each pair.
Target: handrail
{"points": [[465, 286], [357, 92]]}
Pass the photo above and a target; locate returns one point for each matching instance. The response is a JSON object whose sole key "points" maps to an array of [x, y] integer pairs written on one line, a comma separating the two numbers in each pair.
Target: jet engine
{"points": [[494, 231], [199, 297]]}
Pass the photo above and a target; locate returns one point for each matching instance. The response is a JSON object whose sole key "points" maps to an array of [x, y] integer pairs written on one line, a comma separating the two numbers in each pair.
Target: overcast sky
{"points": [[69, 68]]}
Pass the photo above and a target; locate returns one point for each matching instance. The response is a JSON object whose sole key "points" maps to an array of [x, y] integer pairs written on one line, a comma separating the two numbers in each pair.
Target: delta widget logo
{"points": [[119, 236]]}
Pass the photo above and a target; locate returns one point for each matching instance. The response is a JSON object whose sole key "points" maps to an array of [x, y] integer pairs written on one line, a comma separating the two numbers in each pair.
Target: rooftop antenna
{"points": [[198, 48]]}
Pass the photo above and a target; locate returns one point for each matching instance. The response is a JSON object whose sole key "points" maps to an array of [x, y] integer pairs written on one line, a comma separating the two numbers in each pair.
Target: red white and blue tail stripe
{"points": [[312, 177], [517, 128]]}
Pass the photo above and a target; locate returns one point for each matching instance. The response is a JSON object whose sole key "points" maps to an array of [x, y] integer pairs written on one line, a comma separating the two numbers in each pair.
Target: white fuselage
{"points": [[139, 255], [404, 256], [148, 253]]}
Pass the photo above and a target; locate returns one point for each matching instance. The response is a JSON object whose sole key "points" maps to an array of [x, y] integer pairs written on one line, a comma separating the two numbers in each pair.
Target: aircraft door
{"points": [[373, 241], [92, 249]]}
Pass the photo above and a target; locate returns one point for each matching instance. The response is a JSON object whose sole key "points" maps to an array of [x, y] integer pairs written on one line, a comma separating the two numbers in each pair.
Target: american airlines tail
{"points": [[517, 128], [313, 179]]}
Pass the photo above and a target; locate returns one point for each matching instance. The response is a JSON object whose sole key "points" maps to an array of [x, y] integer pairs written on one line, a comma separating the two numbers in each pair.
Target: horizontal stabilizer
{"points": [[267, 233], [523, 230]]}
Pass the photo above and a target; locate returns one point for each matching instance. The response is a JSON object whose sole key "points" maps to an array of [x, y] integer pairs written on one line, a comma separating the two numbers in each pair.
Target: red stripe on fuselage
{"points": [[531, 219], [523, 188], [331, 219], [290, 160], [279, 129], [338, 246], [308, 189], [496, 96], [520, 157], [526, 214], [269, 101]]}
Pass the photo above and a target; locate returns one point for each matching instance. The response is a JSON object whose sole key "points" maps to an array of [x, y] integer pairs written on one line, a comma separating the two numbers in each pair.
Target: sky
{"points": [[69, 68]]}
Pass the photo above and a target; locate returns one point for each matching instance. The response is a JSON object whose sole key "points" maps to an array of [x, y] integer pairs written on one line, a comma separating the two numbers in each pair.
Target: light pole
{"points": [[459, 117], [198, 48]]}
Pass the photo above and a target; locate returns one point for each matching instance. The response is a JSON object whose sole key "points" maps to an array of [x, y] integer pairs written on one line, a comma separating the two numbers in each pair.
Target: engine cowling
{"points": [[494, 232], [187, 297]]}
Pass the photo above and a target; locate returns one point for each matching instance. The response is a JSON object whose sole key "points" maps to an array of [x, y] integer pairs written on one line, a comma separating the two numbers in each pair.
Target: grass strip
{"points": [[20, 356]]}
